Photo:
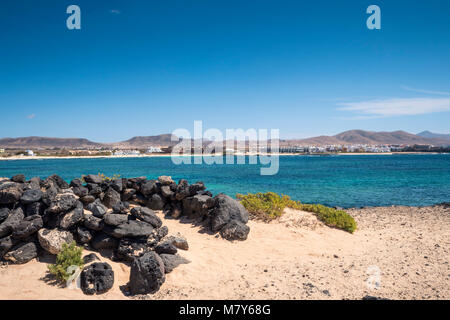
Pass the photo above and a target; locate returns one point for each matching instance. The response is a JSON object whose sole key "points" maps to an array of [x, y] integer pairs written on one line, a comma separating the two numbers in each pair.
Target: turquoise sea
{"points": [[345, 181]]}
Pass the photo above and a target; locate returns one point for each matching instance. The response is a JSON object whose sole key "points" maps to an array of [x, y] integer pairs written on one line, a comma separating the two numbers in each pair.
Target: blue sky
{"points": [[149, 67]]}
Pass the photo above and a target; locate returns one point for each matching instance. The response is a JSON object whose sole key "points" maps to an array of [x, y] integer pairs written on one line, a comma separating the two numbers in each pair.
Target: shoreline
{"points": [[15, 158]]}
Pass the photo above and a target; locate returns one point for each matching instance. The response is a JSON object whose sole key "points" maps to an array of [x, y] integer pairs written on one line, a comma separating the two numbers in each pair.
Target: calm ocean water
{"points": [[346, 181]]}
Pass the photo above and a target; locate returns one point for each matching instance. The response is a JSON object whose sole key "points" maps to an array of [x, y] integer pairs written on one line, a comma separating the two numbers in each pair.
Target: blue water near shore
{"points": [[345, 181]]}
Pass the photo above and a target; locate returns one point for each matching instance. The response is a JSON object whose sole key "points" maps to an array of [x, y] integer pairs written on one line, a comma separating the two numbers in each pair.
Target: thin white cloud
{"points": [[31, 116], [396, 107], [114, 11], [444, 93]]}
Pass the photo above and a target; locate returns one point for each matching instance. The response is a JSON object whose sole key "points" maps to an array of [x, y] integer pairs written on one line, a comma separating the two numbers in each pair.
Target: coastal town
{"points": [[238, 150]]}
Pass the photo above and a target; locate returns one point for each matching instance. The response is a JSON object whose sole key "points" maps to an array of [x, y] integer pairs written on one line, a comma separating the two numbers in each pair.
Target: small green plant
{"points": [[70, 255], [106, 178], [103, 177], [269, 205]]}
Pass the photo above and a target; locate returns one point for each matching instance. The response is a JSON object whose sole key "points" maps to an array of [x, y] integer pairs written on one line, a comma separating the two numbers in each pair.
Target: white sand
{"points": [[294, 258]]}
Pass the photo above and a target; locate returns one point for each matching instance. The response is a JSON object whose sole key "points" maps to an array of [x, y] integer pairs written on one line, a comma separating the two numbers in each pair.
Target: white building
{"points": [[30, 153], [154, 150]]}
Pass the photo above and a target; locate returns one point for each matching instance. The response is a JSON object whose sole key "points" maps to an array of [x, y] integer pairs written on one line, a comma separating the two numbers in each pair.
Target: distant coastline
{"points": [[14, 158]]}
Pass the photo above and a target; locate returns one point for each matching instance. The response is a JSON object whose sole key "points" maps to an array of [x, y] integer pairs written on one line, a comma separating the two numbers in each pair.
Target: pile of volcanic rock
{"points": [[117, 215]]}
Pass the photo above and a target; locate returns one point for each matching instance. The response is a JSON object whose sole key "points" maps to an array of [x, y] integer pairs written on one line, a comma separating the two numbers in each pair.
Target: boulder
{"points": [[111, 198], [10, 223], [196, 188], [97, 278], [166, 192], [10, 192], [104, 241], [225, 210], [22, 253], [165, 180], [235, 230], [121, 208], [20, 178], [49, 195], [129, 249], [76, 183], [97, 209], [93, 178], [171, 261], [80, 191], [71, 218], [117, 185], [30, 196], [27, 227], [87, 199], [147, 274], [178, 241], [165, 247], [147, 215], [94, 189], [128, 194], [148, 188], [52, 240], [35, 183], [93, 223], [115, 219], [35, 208], [63, 202], [157, 234], [197, 207], [132, 229], [156, 202], [4, 213], [59, 181], [83, 235]]}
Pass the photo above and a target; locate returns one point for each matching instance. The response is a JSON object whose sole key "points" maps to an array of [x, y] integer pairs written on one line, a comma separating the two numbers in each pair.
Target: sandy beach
{"points": [[296, 257]]}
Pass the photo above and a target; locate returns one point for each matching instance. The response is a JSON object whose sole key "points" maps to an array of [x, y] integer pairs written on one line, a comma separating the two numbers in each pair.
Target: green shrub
{"points": [[70, 255], [265, 205], [269, 205], [332, 217]]}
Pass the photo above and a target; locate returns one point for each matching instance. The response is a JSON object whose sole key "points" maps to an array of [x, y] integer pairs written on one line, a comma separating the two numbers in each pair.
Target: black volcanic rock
{"points": [[20, 178], [111, 198], [4, 213], [132, 229], [10, 223], [22, 253], [93, 178], [10, 192], [27, 227], [30, 196], [97, 278], [147, 274], [147, 215], [93, 223]]}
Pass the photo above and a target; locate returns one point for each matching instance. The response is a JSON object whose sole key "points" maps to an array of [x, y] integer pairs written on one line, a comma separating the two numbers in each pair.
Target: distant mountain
{"points": [[165, 140], [147, 141], [47, 143], [369, 137], [428, 134]]}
